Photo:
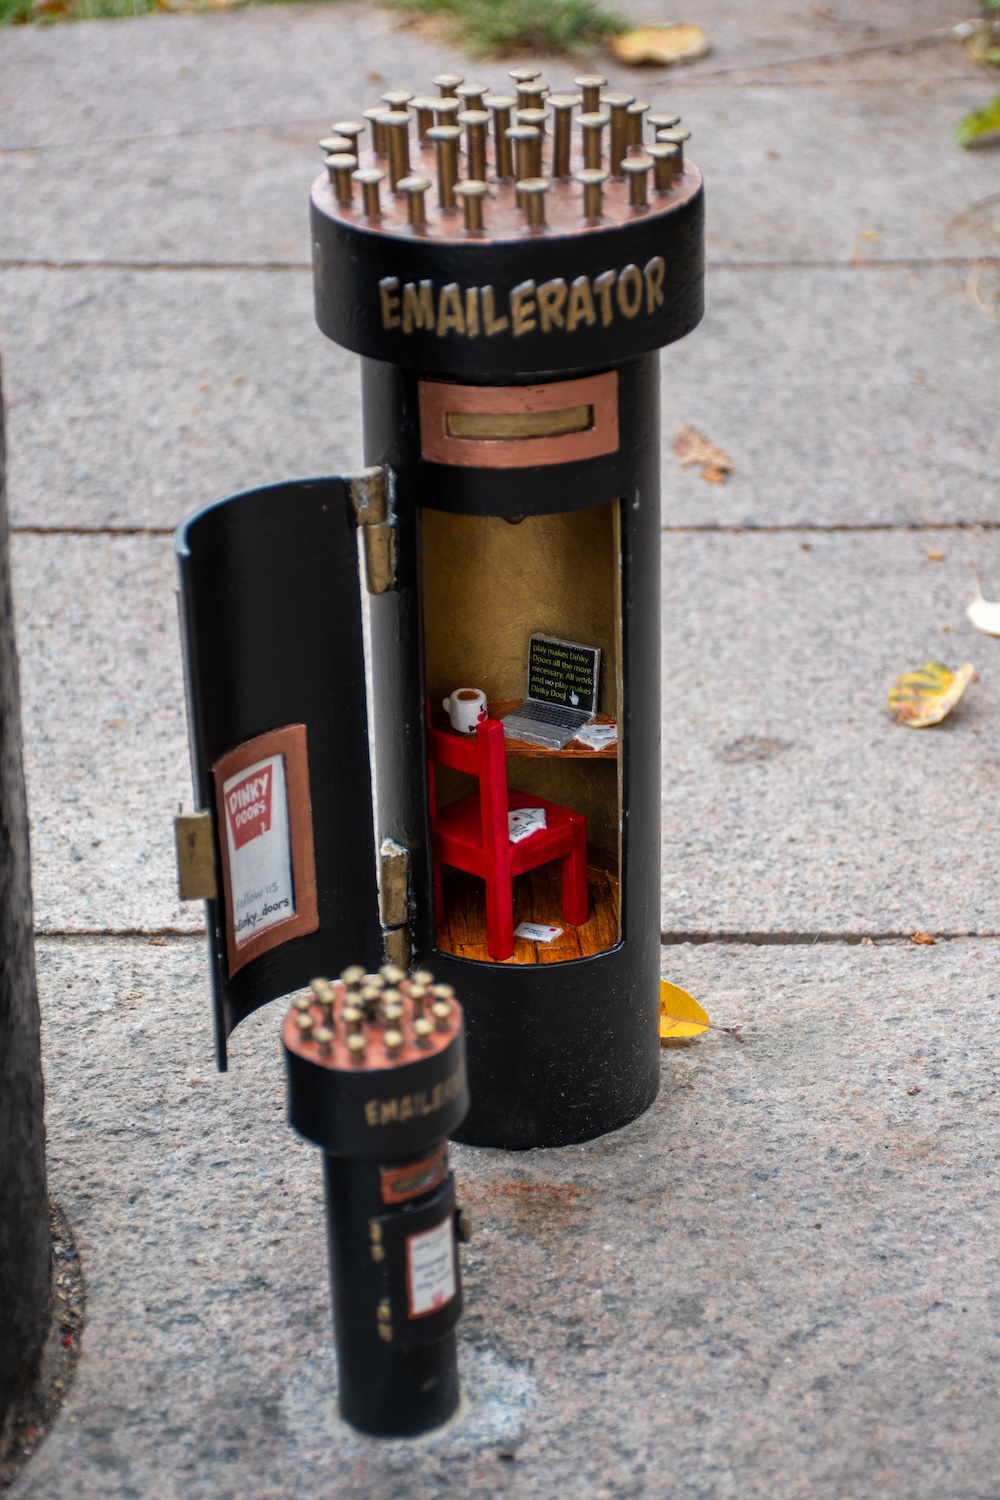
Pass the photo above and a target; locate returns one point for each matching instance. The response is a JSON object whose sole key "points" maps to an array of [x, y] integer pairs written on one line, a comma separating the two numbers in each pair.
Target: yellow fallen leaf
{"points": [[680, 1014], [928, 695], [660, 44], [692, 447]]}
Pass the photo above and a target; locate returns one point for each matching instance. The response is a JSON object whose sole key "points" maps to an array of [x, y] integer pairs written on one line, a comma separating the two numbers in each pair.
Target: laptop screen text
{"points": [[563, 673]]}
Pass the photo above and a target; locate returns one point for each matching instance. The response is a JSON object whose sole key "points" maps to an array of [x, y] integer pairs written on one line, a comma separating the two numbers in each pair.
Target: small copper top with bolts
{"points": [[328, 1026], [472, 149]]}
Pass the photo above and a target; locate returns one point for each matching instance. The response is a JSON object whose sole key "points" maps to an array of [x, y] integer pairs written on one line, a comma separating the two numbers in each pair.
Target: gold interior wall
{"points": [[488, 587]]}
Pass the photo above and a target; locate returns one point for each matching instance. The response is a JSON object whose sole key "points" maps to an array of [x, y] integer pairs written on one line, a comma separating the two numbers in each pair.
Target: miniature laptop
{"points": [[562, 693]]}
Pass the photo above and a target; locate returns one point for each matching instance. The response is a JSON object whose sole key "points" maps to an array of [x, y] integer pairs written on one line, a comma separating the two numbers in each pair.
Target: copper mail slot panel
{"points": [[518, 426]]}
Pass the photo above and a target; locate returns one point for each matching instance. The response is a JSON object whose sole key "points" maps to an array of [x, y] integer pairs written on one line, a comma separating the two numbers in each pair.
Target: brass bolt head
{"points": [[393, 1041], [441, 1011], [423, 976], [356, 1047], [304, 1025], [355, 974], [422, 1031]]}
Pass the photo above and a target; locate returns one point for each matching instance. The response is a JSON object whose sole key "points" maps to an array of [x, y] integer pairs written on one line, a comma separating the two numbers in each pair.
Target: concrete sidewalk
{"points": [[781, 1280]]}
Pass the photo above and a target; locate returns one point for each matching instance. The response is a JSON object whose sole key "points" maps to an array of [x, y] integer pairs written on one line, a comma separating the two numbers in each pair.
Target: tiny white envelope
{"points": [[525, 821], [537, 932], [597, 736]]}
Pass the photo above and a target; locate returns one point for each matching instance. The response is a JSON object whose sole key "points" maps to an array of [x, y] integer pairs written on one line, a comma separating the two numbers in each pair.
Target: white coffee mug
{"points": [[466, 707]]}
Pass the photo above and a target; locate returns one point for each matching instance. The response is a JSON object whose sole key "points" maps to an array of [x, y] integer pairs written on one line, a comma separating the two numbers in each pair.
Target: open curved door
{"points": [[270, 611]]}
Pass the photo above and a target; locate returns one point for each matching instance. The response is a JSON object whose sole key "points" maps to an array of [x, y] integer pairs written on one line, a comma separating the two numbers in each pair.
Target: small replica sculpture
{"points": [[507, 267], [376, 1077]]}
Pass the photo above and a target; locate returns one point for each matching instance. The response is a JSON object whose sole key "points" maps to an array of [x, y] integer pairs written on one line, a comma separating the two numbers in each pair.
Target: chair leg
{"points": [[500, 917], [574, 879], [438, 895]]}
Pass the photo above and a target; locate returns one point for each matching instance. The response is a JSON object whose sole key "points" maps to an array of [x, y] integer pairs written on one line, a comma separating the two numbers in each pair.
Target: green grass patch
{"points": [[481, 26], [503, 26], [20, 12]]}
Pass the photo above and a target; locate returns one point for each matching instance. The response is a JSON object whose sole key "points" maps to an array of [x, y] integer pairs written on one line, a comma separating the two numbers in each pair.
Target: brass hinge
{"points": [[369, 498], [195, 856], [394, 901]]}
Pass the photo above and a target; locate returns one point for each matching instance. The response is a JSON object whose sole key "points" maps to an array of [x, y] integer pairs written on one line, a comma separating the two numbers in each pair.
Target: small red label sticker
{"points": [[402, 1183], [248, 806]]}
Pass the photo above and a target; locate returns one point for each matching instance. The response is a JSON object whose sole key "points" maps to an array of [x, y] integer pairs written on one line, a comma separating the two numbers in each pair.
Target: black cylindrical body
{"points": [[385, 1388], [510, 375], [383, 1121], [556, 1052]]}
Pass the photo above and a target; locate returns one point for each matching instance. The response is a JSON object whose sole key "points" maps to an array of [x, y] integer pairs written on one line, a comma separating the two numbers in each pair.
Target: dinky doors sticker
{"points": [[259, 846], [430, 1269]]}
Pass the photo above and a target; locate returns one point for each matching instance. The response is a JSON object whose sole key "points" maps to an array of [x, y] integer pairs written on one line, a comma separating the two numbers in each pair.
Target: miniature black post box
{"points": [[508, 275]]}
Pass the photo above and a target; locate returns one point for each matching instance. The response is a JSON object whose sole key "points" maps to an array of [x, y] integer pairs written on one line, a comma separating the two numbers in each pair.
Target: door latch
{"points": [[195, 856]]}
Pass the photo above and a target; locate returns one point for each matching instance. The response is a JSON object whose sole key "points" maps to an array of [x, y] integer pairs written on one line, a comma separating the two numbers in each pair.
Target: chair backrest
{"points": [[482, 757]]}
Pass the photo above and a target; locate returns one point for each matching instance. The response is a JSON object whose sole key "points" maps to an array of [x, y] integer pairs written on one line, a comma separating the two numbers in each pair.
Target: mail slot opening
{"points": [[481, 426]]}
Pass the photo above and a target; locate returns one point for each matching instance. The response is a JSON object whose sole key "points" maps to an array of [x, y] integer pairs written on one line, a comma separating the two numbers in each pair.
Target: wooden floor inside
{"points": [[537, 898]]}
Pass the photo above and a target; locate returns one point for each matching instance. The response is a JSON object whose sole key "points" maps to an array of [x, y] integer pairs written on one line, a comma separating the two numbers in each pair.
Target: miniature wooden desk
{"points": [[520, 748]]}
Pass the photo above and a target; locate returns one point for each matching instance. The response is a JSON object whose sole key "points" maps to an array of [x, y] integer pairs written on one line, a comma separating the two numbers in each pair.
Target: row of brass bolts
{"points": [[370, 1010], [519, 125]]}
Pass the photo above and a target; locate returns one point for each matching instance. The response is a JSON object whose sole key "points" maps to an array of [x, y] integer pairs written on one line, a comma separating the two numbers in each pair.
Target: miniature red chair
{"points": [[473, 835]]}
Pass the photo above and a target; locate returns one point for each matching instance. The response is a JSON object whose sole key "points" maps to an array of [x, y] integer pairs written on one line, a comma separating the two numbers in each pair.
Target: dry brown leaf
{"points": [[660, 44], [935, 556], [692, 447], [924, 938]]}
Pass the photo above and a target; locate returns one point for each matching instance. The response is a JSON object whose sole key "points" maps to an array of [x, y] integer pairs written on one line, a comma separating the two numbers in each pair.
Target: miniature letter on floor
{"points": [[537, 932]]}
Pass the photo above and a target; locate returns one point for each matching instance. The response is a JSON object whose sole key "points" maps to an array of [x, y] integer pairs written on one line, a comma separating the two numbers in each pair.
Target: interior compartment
{"points": [[488, 586]]}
